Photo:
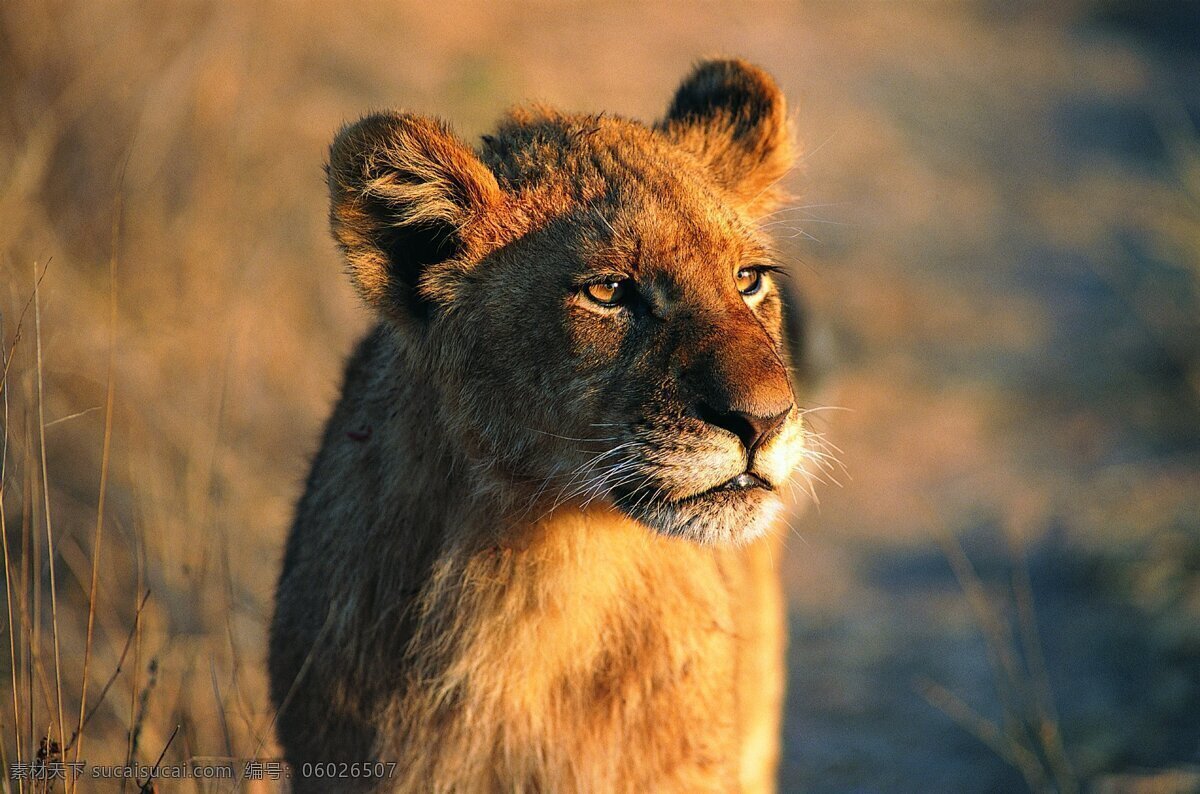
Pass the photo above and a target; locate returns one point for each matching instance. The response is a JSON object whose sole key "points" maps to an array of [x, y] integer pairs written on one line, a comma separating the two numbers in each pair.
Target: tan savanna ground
{"points": [[998, 229]]}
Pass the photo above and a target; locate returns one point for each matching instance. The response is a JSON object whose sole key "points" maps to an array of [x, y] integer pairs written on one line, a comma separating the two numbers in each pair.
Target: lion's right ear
{"points": [[732, 116], [405, 197]]}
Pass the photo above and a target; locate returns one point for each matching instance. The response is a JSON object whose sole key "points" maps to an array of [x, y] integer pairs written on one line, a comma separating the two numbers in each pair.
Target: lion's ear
{"points": [[732, 116], [405, 196]]}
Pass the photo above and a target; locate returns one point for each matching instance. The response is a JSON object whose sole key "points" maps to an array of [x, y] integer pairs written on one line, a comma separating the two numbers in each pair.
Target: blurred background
{"points": [[997, 227]]}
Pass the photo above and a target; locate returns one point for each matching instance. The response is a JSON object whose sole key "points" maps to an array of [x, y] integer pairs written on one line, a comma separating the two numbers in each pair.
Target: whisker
{"points": [[565, 438]]}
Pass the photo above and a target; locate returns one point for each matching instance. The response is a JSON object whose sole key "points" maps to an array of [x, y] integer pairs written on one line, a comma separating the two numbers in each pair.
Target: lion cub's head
{"points": [[593, 297]]}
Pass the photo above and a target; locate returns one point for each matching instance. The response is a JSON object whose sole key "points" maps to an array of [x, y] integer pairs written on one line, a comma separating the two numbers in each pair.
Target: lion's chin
{"points": [[715, 518]]}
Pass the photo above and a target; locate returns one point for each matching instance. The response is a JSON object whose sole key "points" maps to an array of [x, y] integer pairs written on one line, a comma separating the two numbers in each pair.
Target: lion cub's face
{"points": [[594, 296]]}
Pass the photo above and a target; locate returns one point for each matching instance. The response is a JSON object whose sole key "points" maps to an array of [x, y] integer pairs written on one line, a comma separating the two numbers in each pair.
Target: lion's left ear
{"points": [[732, 116]]}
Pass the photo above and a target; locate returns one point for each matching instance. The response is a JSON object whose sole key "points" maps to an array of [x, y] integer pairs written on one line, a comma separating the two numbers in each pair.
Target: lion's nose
{"points": [[751, 429]]}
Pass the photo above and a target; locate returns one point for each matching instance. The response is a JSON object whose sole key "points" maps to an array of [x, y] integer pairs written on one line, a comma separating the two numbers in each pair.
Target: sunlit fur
{"points": [[509, 570]]}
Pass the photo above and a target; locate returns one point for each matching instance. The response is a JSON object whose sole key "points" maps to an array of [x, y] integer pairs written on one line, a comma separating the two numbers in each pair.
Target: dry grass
{"points": [[167, 377], [1027, 735]]}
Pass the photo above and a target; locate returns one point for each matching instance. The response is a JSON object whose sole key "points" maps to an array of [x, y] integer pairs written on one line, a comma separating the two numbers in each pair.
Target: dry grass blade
{"points": [[1028, 736], [1045, 716], [219, 701], [9, 585], [50, 553], [8, 580], [112, 678], [20, 320], [148, 786], [986, 731], [287, 699], [143, 706], [130, 736], [106, 450], [997, 637]]}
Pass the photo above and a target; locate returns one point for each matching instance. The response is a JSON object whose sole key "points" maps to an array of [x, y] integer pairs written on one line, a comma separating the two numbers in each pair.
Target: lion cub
{"points": [[535, 551]]}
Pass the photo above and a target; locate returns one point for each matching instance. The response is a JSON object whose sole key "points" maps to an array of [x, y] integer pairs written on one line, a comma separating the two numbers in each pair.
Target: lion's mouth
{"points": [[746, 481], [747, 487], [734, 510]]}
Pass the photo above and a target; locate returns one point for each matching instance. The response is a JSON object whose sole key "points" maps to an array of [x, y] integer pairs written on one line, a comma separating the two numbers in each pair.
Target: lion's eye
{"points": [[607, 293], [749, 280]]}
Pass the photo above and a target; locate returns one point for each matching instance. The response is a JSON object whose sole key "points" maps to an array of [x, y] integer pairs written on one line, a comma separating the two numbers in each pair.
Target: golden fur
{"points": [[536, 548]]}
